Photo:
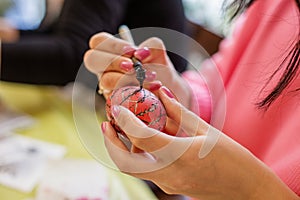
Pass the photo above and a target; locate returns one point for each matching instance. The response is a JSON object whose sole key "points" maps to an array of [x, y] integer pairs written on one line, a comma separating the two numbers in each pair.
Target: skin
{"points": [[177, 165], [107, 53], [229, 171], [8, 33]]}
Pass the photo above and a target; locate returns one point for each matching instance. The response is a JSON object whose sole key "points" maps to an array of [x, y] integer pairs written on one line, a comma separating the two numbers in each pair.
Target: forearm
{"points": [[44, 60], [272, 188], [54, 58]]}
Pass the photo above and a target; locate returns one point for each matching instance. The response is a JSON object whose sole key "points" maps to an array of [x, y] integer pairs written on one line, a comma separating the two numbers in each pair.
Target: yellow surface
{"points": [[55, 123]]}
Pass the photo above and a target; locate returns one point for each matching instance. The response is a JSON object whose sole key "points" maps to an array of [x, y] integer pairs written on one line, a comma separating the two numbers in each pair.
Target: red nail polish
{"points": [[115, 111], [127, 66], [141, 54], [103, 127], [167, 92], [154, 86], [128, 50]]}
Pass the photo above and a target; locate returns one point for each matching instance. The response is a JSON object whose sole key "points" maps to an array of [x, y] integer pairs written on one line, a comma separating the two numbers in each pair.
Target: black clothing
{"points": [[54, 56]]}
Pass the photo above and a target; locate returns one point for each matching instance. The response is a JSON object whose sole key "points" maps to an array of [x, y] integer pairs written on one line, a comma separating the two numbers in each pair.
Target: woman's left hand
{"points": [[206, 165]]}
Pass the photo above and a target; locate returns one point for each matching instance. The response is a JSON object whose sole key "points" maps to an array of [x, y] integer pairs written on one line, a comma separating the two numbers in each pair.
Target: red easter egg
{"points": [[143, 103]]}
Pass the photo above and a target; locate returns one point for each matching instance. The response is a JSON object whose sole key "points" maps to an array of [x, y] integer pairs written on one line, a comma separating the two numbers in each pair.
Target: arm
{"points": [[56, 57], [8, 33], [207, 165]]}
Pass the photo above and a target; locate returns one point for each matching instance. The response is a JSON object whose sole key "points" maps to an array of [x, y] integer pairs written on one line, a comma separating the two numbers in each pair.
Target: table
{"points": [[54, 123]]}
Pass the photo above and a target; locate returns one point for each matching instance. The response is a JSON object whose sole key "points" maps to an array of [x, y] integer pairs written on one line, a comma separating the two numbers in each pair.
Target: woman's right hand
{"points": [[110, 59]]}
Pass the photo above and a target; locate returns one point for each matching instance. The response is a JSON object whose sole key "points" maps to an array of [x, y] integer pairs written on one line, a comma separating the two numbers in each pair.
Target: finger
{"points": [[134, 149], [122, 157], [157, 49], [107, 94], [106, 42], [99, 61], [114, 80], [188, 121], [161, 72], [141, 136], [152, 86], [112, 136], [98, 38], [150, 75], [172, 128], [164, 149]]}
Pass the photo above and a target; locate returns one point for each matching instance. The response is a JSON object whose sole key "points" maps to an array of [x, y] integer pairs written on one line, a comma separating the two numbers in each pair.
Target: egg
{"points": [[143, 103]]}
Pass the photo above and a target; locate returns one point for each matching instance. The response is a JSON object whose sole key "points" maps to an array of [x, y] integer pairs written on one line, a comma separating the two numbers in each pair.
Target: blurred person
{"points": [[8, 32], [52, 54]]}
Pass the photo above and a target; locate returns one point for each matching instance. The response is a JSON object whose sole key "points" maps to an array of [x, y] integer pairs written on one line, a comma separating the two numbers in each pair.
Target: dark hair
{"points": [[293, 58]]}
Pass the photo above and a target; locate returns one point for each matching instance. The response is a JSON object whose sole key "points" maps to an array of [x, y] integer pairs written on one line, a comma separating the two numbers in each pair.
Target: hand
{"points": [[207, 165], [8, 33], [109, 58]]}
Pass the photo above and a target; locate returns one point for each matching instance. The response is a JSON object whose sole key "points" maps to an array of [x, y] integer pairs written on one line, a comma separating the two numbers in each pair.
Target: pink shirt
{"points": [[260, 41]]}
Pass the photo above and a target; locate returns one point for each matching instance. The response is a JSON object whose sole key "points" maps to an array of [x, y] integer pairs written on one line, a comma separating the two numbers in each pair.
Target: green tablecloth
{"points": [[55, 123]]}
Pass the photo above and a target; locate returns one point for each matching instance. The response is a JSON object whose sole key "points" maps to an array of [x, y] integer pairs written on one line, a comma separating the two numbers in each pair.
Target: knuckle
{"points": [[99, 38], [132, 127], [156, 40], [117, 60], [107, 81], [114, 80], [155, 43], [122, 122], [87, 55], [88, 60], [117, 47], [138, 141]]}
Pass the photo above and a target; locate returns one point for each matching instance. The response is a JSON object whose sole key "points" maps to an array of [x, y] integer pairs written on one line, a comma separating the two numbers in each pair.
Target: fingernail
{"points": [[127, 66], [103, 127], [128, 50], [115, 111], [167, 92], [154, 86], [150, 75], [141, 54]]}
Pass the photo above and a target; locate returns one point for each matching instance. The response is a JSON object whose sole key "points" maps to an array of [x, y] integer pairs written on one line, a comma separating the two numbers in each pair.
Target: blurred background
{"points": [[210, 17], [27, 15], [38, 138], [24, 15]]}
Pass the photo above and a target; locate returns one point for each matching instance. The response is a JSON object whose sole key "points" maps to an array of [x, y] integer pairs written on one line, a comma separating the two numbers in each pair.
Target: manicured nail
{"points": [[103, 127], [115, 111], [127, 66], [141, 54], [167, 92], [128, 50], [150, 75], [154, 86]]}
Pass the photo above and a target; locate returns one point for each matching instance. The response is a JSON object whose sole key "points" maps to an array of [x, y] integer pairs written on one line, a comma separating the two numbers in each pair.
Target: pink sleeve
{"points": [[201, 99]]}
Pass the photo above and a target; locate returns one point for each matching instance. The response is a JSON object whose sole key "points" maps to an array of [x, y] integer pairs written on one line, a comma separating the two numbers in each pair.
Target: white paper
{"points": [[10, 121], [23, 161], [74, 180]]}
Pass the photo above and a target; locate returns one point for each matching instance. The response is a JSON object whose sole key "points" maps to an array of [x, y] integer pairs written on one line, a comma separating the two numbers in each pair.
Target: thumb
{"points": [[187, 120], [140, 135]]}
